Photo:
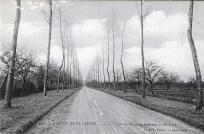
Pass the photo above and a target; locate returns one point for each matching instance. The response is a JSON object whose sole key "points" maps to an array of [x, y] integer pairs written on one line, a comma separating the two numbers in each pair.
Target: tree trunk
{"points": [[199, 102], [114, 61], [121, 58], [78, 73], [58, 79], [63, 49], [63, 76], [108, 62], [23, 90], [142, 51], [3, 85], [151, 89], [73, 59], [104, 77], [48, 50], [70, 60], [70, 72], [10, 81], [23, 84], [100, 73], [139, 83], [68, 82], [98, 70], [167, 87]]}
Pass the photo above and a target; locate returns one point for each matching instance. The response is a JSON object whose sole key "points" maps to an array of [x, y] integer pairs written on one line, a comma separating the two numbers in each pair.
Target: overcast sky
{"points": [[164, 29]]}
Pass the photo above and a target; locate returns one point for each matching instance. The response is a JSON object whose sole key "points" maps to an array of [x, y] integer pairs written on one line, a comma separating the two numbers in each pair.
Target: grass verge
{"points": [[182, 111], [28, 110]]}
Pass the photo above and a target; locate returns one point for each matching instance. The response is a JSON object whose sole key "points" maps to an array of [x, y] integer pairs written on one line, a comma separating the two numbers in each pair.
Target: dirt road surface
{"points": [[94, 112]]}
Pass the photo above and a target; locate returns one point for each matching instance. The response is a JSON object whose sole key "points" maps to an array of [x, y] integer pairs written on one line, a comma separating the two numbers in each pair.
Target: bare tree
{"points": [[48, 49], [59, 75], [100, 73], [77, 67], [122, 51], [5, 59], [192, 83], [25, 66], [199, 103], [63, 76], [3, 84], [73, 66], [107, 69], [70, 71], [98, 69], [104, 76], [63, 53], [94, 72], [78, 71], [152, 73], [118, 77], [68, 62], [168, 78], [10, 81], [142, 18], [53, 74], [113, 53], [142, 49], [138, 76]]}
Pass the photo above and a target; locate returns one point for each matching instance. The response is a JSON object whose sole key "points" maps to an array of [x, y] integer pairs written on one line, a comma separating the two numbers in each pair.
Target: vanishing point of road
{"points": [[90, 111]]}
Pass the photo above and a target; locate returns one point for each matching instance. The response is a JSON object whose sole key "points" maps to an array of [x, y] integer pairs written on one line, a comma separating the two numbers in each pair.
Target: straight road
{"points": [[94, 112]]}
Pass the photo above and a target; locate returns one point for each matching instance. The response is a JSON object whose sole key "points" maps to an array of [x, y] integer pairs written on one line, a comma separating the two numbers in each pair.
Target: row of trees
{"points": [[29, 75], [154, 74], [24, 67], [149, 72]]}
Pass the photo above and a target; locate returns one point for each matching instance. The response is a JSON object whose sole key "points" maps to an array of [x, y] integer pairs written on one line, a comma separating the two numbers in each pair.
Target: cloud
{"points": [[27, 31], [174, 56], [88, 32], [158, 28], [165, 34], [171, 27]]}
